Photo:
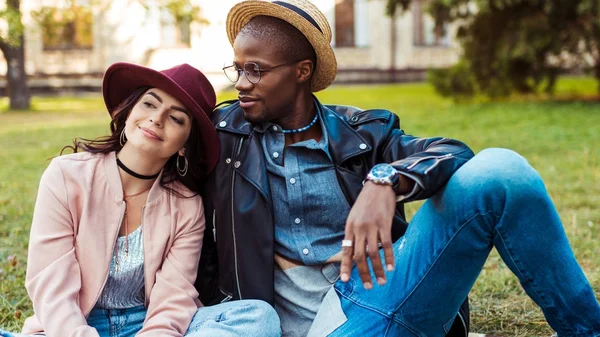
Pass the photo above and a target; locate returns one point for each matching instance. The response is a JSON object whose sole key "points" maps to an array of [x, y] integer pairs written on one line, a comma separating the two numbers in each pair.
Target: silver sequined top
{"points": [[125, 288]]}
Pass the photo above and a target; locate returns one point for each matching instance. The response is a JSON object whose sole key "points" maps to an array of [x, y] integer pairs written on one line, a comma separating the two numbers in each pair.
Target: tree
{"points": [[589, 31], [55, 27], [12, 46], [519, 45]]}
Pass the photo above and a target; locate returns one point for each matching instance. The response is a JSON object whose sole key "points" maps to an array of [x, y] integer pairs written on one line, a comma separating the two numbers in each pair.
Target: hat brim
{"points": [[243, 12], [121, 79]]}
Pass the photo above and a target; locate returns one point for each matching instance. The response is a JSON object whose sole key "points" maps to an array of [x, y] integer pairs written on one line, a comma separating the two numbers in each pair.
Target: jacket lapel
{"points": [[344, 141], [253, 167]]}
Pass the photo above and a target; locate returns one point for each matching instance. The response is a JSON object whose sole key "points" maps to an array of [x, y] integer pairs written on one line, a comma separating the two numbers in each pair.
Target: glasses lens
{"points": [[232, 73], [252, 72]]}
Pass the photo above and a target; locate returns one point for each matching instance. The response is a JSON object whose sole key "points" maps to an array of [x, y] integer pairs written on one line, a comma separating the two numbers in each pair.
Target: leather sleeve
{"points": [[430, 162], [208, 268]]}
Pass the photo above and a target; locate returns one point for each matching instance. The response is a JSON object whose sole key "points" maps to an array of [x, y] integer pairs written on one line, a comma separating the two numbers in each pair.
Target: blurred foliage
{"points": [[12, 32], [71, 26], [183, 12], [517, 45], [457, 82], [65, 27]]}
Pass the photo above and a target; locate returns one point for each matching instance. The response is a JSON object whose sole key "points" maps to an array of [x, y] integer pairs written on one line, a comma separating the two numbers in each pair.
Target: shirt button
{"points": [[223, 124], [275, 154], [297, 220], [292, 181], [362, 146], [228, 160], [305, 251], [237, 164]]}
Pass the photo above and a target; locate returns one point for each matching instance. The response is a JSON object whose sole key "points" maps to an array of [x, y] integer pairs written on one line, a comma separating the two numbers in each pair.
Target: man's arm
{"points": [[425, 165]]}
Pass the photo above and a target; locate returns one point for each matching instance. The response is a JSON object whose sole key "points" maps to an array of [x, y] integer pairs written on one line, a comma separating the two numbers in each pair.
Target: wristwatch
{"points": [[385, 174]]}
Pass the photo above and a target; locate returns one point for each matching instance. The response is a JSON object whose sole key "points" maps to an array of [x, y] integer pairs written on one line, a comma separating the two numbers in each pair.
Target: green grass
{"points": [[560, 139]]}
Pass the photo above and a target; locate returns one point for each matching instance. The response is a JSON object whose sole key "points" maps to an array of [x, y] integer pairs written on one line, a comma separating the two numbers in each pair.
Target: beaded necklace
{"points": [[304, 128]]}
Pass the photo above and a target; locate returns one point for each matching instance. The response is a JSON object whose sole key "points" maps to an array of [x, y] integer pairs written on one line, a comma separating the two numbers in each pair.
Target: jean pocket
{"points": [[331, 272]]}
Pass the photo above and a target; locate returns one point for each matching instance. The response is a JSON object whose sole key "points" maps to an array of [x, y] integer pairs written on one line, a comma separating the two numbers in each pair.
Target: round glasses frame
{"points": [[251, 70]]}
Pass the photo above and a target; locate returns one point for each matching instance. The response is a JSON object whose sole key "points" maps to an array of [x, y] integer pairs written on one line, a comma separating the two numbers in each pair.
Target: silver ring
{"points": [[347, 243]]}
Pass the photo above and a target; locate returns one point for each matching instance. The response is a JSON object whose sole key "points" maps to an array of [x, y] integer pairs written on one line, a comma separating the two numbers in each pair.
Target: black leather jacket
{"points": [[238, 203]]}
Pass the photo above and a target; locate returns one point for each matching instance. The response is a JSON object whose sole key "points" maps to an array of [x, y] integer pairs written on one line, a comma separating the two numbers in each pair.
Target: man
{"points": [[288, 192]]}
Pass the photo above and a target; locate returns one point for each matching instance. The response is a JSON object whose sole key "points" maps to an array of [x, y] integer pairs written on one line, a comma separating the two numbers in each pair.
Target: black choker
{"points": [[137, 175]]}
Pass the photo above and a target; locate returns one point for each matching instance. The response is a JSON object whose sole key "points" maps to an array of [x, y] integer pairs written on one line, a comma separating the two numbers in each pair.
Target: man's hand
{"points": [[369, 223]]}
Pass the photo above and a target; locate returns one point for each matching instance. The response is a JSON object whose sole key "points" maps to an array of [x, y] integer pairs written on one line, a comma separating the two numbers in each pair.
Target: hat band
{"points": [[299, 12]]}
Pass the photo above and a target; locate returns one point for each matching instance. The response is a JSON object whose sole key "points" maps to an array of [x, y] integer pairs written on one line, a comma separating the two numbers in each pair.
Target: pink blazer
{"points": [[75, 225]]}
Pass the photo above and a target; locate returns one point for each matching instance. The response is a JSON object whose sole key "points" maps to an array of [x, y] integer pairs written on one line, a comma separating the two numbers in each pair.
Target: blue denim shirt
{"points": [[309, 207]]}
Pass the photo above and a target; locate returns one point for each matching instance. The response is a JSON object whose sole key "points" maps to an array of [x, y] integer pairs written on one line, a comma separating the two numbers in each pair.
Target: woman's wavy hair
{"points": [[195, 176]]}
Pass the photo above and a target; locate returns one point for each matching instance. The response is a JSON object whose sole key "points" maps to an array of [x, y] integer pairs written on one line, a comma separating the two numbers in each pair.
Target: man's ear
{"points": [[304, 71]]}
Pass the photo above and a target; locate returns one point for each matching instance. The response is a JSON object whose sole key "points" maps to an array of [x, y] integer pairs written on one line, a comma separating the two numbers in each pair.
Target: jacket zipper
{"points": [[235, 259], [437, 160], [227, 296], [146, 288], [112, 252], [462, 320], [214, 229]]}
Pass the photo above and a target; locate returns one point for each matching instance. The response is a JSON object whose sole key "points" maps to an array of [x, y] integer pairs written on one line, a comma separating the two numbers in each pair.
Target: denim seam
{"points": [[440, 253], [408, 327], [520, 269], [391, 319], [384, 314]]}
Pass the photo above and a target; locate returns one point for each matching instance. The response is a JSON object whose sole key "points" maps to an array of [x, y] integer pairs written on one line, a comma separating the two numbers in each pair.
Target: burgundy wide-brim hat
{"points": [[184, 82]]}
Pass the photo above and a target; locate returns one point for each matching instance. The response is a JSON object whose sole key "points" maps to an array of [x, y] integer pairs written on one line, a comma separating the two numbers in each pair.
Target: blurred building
{"points": [[370, 46]]}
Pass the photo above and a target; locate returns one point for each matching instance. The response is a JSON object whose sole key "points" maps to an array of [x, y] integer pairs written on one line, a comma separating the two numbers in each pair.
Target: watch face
{"points": [[382, 171]]}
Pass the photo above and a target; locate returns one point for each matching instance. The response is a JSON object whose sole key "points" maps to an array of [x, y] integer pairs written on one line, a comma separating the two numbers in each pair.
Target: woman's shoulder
{"points": [[183, 198], [78, 157], [76, 165], [181, 194], [77, 161]]}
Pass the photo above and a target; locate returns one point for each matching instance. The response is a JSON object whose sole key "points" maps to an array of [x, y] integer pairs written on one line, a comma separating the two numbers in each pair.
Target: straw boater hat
{"points": [[305, 17], [183, 82]]}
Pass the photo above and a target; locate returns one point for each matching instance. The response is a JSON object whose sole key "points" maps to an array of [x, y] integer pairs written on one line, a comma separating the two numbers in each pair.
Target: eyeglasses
{"points": [[251, 70]]}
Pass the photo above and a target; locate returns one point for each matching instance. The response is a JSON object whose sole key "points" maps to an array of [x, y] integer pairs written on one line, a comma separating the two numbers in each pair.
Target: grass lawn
{"points": [[560, 138]]}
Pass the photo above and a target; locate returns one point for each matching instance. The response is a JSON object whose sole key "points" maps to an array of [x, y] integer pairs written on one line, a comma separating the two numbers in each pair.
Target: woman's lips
{"points": [[150, 134]]}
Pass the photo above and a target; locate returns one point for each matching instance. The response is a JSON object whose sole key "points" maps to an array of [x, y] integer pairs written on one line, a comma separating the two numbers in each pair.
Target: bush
{"points": [[457, 81]]}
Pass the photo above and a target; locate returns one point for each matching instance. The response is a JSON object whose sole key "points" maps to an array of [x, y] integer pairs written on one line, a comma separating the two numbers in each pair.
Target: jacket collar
{"points": [[344, 141]]}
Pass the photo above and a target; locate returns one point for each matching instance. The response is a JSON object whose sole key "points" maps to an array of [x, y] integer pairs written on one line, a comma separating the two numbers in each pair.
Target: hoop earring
{"points": [[185, 167], [123, 138]]}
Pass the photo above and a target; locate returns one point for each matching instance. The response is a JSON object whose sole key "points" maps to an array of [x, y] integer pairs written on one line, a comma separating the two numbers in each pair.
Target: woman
{"points": [[117, 229]]}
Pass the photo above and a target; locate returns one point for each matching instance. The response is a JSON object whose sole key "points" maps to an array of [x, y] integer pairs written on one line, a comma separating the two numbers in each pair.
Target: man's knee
{"points": [[497, 169]]}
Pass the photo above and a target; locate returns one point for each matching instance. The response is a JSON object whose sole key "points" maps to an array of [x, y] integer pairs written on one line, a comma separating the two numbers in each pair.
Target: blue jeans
{"points": [[250, 318], [496, 199]]}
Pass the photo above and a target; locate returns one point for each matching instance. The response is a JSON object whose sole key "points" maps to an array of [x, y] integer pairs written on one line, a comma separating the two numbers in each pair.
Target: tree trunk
{"points": [[17, 89]]}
